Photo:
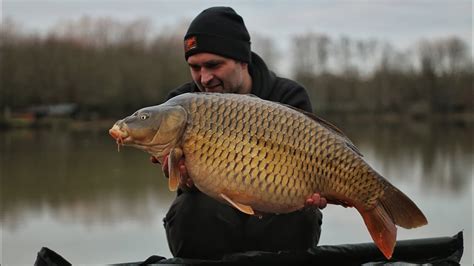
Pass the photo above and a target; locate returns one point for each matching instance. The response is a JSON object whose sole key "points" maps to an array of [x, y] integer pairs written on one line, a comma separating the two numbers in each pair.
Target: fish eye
{"points": [[144, 116]]}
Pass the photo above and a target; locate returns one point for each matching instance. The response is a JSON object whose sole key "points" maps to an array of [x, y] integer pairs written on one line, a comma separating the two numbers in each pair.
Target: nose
{"points": [[206, 77]]}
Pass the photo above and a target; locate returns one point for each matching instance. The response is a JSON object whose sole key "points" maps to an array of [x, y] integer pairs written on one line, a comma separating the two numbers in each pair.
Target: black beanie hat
{"points": [[218, 30]]}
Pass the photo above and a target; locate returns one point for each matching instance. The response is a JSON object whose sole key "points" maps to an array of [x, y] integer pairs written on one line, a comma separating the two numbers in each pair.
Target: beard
{"points": [[219, 87]]}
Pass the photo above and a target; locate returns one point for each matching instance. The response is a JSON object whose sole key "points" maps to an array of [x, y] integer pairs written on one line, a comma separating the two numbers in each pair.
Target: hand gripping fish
{"points": [[264, 156]]}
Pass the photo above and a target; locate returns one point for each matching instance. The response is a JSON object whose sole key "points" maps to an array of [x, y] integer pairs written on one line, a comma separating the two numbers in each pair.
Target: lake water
{"points": [[73, 192]]}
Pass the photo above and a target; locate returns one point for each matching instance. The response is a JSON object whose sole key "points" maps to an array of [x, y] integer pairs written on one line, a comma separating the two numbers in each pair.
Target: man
{"points": [[217, 50]]}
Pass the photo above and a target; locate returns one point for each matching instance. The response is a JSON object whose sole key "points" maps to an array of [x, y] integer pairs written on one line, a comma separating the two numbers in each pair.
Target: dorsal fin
{"points": [[329, 126]]}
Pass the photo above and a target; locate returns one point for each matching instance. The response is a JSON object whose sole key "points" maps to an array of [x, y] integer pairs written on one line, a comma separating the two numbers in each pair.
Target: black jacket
{"points": [[266, 85]]}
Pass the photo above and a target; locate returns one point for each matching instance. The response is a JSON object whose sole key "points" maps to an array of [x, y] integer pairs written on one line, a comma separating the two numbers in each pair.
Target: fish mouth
{"points": [[121, 136]]}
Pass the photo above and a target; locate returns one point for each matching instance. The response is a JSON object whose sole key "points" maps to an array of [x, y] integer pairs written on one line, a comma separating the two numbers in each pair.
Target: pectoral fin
{"points": [[173, 168], [241, 207]]}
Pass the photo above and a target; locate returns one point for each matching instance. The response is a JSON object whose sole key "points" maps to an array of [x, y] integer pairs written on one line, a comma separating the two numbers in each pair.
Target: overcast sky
{"points": [[401, 22]]}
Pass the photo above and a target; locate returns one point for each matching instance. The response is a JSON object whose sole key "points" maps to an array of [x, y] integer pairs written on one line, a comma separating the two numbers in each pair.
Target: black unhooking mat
{"points": [[436, 251]]}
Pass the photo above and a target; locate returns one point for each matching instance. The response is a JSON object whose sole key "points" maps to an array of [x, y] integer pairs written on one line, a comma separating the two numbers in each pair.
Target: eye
{"points": [[212, 65], [144, 116], [195, 67]]}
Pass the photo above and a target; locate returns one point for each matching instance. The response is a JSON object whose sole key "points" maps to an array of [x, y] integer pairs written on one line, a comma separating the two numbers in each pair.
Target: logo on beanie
{"points": [[190, 43]]}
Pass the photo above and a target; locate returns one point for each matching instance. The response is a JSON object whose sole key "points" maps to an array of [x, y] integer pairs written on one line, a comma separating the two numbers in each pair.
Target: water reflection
{"points": [[444, 153], [79, 178]]}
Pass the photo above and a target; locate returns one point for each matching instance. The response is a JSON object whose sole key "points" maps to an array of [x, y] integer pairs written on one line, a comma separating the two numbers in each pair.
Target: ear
{"points": [[244, 65]]}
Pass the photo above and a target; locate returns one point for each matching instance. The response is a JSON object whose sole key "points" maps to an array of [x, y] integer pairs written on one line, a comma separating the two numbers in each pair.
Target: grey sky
{"points": [[401, 22]]}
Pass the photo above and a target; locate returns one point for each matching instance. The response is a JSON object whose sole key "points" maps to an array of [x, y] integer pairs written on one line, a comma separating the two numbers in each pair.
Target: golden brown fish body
{"points": [[268, 156], [265, 156]]}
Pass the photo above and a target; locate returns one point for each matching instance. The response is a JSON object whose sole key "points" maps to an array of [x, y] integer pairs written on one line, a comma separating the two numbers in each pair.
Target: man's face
{"points": [[214, 73]]}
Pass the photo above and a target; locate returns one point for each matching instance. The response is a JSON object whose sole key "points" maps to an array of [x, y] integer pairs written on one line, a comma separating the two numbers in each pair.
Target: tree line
{"points": [[110, 68], [370, 76]]}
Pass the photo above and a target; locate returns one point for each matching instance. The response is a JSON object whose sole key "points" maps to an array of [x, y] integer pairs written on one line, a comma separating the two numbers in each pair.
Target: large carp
{"points": [[260, 155]]}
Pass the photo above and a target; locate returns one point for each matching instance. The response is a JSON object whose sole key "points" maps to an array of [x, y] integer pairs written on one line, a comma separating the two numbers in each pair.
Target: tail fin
{"points": [[393, 208], [401, 209]]}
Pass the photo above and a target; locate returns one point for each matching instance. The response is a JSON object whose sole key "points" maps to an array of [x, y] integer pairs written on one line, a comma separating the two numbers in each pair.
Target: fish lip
{"points": [[119, 134]]}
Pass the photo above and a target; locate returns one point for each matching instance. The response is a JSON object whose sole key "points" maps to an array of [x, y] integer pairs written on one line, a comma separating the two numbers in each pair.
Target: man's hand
{"points": [[184, 180], [317, 201]]}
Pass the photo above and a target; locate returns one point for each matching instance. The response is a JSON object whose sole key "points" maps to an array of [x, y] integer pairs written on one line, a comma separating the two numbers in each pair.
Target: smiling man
{"points": [[217, 50], [214, 73]]}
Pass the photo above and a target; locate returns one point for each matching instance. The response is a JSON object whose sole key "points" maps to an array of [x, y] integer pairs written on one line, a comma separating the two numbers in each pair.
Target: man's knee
{"points": [[198, 226]]}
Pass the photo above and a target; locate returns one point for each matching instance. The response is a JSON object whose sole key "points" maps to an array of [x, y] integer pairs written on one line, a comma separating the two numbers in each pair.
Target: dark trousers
{"points": [[198, 226]]}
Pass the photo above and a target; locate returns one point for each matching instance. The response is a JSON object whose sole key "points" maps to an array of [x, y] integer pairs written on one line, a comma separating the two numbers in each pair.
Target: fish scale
{"points": [[276, 139]]}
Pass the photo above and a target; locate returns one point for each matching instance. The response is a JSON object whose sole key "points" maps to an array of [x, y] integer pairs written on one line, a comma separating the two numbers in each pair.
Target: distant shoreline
{"points": [[458, 119], [56, 123], [392, 118]]}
